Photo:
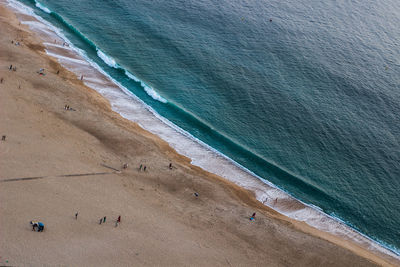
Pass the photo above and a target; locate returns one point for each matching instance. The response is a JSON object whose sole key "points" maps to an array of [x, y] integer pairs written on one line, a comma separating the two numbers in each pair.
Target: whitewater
{"points": [[133, 108]]}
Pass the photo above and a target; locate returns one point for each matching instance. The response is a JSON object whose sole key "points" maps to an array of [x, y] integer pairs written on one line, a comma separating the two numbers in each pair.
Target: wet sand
{"points": [[56, 162]]}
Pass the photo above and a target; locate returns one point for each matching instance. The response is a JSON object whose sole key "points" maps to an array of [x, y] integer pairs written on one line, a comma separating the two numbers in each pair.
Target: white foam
{"points": [[149, 90], [201, 154], [107, 59], [42, 7], [131, 76]]}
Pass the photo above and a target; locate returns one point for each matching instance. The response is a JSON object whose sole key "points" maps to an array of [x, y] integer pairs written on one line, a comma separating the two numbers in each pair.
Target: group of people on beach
{"points": [[37, 226], [144, 167], [103, 219], [117, 222], [15, 43]]}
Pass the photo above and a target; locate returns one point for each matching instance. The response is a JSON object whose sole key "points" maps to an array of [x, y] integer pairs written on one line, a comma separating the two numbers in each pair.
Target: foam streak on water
{"points": [[42, 7], [150, 91], [202, 155], [108, 60]]}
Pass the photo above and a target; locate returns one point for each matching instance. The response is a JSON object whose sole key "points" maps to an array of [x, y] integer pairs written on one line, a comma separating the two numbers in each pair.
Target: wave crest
{"points": [[107, 59], [42, 7], [149, 90]]}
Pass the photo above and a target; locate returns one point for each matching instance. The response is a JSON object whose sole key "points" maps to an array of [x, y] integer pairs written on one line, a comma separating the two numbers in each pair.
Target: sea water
{"points": [[299, 94]]}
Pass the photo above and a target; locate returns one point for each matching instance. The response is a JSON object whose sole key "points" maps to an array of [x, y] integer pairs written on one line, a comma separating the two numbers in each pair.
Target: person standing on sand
{"points": [[140, 168], [118, 221], [144, 168], [101, 220], [104, 219], [34, 225], [76, 216], [253, 216]]}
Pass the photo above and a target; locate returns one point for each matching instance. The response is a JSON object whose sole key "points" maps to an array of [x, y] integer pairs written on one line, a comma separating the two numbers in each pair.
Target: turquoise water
{"points": [[308, 100]]}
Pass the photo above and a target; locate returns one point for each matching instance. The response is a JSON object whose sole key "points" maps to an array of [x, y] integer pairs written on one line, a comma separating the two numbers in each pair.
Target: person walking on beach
{"points": [[104, 219], [76, 216], [170, 166], [140, 168], [253, 216], [101, 220], [144, 168], [10, 68], [81, 77], [118, 221]]}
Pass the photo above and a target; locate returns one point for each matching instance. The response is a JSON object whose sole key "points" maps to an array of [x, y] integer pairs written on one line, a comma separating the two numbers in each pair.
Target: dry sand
{"points": [[162, 223]]}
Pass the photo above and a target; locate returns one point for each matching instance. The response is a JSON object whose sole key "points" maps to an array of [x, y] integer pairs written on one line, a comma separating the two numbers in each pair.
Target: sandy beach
{"points": [[56, 162]]}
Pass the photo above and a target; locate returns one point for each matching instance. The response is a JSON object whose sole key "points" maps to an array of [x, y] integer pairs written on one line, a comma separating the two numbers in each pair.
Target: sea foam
{"points": [[149, 90], [107, 59], [42, 7]]}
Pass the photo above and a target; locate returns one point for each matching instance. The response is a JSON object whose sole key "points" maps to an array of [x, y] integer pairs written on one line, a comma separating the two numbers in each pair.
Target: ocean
{"points": [[302, 96]]}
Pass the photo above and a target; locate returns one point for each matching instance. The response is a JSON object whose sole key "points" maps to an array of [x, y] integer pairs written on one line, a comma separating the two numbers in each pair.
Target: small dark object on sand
{"points": [[38, 225], [3, 138], [196, 194]]}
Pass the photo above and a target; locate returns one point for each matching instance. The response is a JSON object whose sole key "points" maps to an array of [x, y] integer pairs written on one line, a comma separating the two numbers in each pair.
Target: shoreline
{"points": [[246, 196]]}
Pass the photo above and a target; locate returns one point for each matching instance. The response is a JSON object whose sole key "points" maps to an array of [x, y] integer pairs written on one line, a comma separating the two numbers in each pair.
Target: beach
{"points": [[56, 162]]}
